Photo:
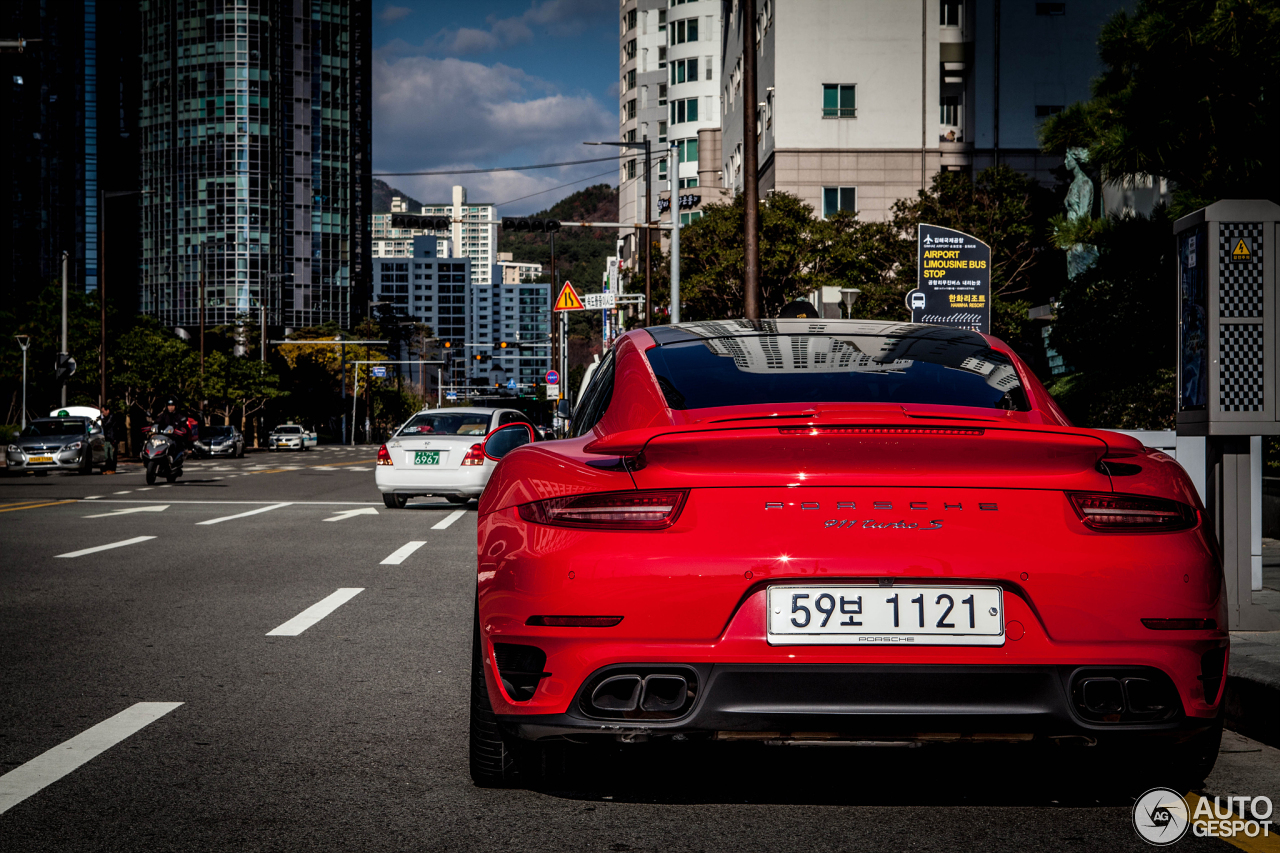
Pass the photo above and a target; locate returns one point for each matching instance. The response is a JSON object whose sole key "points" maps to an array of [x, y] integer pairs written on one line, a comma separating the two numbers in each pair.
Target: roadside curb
{"points": [[1252, 698]]}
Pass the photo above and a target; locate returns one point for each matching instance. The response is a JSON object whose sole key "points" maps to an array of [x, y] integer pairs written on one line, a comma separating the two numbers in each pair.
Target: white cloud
{"points": [[556, 18], [435, 114], [394, 13]]}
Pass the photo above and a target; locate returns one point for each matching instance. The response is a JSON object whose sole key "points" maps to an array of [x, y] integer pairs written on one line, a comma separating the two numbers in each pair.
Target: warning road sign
{"points": [[1240, 251], [568, 299]]}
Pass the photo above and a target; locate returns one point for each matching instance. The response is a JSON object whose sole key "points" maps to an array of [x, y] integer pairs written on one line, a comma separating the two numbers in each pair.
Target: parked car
{"points": [[833, 532], [58, 444], [438, 452], [291, 437], [221, 441]]}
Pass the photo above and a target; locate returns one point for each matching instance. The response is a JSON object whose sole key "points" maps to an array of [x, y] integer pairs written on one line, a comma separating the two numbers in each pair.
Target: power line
{"points": [[499, 168], [562, 186]]}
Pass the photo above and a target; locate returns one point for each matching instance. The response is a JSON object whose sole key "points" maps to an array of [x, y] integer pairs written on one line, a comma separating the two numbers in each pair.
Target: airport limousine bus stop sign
{"points": [[1228, 383]]}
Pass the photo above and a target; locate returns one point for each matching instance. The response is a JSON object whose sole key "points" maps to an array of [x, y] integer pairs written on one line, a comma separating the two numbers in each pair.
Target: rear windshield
{"points": [[446, 424], [37, 428], [746, 370], [288, 430]]}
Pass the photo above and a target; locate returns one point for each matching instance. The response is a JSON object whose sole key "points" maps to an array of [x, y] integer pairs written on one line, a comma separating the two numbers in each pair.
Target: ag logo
{"points": [[1160, 816]]}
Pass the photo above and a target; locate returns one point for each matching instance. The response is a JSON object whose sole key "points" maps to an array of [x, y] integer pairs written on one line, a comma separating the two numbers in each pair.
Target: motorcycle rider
{"points": [[172, 417]]}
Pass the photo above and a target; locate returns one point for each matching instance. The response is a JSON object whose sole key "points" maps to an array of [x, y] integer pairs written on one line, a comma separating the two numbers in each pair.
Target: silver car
{"points": [[58, 444], [437, 452], [221, 441]]}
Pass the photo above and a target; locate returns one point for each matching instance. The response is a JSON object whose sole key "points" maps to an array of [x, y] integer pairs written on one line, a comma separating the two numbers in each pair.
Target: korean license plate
{"points": [[812, 614], [40, 459], [426, 457]]}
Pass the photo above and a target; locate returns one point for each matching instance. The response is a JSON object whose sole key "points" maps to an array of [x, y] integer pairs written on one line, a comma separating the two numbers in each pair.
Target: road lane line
{"points": [[134, 541], [50, 766], [243, 514], [129, 510], [344, 514], [449, 519], [92, 497], [125, 492], [35, 506], [315, 613], [402, 553]]}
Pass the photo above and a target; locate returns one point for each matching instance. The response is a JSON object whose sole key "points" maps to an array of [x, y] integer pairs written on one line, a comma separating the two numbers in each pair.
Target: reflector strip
{"points": [[574, 621], [849, 430]]}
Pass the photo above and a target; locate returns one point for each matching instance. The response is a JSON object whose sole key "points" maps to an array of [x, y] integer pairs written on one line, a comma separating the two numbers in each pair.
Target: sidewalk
{"points": [[1253, 675]]}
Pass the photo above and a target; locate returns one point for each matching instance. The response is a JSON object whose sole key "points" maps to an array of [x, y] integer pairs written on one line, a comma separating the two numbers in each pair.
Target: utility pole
{"points": [[66, 259], [556, 319], [648, 241], [102, 300], [202, 301], [344, 388], [673, 178], [24, 341], [750, 163]]}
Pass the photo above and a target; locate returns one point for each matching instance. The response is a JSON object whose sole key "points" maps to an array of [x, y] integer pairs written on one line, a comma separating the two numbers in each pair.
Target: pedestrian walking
{"points": [[108, 419]]}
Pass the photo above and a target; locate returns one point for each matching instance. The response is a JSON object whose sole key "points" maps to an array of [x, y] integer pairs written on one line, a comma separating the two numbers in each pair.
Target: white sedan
{"points": [[291, 437], [438, 452]]}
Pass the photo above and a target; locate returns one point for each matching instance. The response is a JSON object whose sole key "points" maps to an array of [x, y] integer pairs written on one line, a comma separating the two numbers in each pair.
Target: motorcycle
{"points": [[162, 453]]}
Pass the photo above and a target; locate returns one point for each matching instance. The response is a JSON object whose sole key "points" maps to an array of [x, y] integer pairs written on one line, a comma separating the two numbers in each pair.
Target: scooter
{"points": [[163, 454]]}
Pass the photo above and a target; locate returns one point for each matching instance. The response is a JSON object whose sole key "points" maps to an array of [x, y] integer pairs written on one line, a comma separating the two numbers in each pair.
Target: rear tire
{"points": [[495, 758], [171, 476], [394, 501], [457, 499], [151, 473]]}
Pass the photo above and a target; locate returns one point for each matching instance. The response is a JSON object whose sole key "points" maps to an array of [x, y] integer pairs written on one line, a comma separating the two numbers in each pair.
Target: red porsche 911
{"points": [[841, 531]]}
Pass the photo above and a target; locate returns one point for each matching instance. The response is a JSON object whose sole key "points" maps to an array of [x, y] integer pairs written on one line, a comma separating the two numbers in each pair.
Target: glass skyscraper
{"points": [[255, 121]]}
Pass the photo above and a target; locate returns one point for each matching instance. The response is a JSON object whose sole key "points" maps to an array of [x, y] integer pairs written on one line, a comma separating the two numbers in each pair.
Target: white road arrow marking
{"points": [[343, 515], [130, 510]]}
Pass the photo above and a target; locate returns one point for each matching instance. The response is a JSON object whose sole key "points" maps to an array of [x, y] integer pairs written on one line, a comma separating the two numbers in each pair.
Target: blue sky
{"points": [[494, 83]]}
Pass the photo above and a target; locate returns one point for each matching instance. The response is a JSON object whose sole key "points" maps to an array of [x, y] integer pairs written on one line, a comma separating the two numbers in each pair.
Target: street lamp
{"points": [[648, 207], [24, 341], [849, 295]]}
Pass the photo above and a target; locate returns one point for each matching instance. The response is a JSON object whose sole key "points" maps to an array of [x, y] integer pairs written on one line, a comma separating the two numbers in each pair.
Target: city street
{"points": [[346, 728]]}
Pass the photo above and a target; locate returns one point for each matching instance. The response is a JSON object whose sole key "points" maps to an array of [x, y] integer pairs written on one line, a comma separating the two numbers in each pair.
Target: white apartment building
{"points": [[669, 89], [472, 238], [865, 100]]}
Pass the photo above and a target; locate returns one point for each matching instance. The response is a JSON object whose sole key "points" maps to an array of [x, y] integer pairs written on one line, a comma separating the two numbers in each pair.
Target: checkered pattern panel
{"points": [[1240, 379], [1240, 283]]}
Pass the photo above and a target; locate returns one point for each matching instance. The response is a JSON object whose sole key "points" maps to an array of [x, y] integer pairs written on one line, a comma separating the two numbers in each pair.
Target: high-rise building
{"points": [[255, 117], [474, 230], [70, 145], [864, 101], [669, 67]]}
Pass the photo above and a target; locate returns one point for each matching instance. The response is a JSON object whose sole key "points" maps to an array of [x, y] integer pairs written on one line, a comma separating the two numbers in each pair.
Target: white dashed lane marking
{"points": [[49, 767], [449, 519], [315, 613], [242, 514], [402, 553], [134, 541]]}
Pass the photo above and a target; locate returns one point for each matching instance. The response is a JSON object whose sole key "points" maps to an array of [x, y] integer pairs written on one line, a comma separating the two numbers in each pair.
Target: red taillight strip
{"points": [[573, 621], [849, 430], [1131, 513], [1180, 624], [475, 456], [641, 510]]}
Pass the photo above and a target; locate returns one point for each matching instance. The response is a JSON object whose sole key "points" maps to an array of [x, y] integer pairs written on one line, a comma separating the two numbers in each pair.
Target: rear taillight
{"points": [[384, 458], [475, 456], [1131, 513], [650, 510]]}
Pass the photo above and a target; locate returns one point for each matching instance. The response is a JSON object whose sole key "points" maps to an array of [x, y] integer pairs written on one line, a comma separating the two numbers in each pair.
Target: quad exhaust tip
{"points": [[660, 693]]}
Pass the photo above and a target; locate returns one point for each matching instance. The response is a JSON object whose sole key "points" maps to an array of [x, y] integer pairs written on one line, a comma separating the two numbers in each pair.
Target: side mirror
{"points": [[93, 430], [503, 440], [562, 409]]}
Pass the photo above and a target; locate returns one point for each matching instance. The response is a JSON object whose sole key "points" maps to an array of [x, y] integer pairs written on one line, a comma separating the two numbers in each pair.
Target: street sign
{"points": [[511, 385], [553, 391], [954, 274], [600, 300], [380, 372], [568, 299], [553, 377], [452, 395]]}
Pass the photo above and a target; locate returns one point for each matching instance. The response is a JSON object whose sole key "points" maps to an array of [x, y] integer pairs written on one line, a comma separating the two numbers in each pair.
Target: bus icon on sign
{"points": [[917, 301]]}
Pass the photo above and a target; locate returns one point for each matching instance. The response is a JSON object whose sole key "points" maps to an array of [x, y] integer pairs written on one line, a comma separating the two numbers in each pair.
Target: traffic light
{"points": [[538, 226], [481, 357], [64, 368], [503, 345], [448, 344], [416, 220]]}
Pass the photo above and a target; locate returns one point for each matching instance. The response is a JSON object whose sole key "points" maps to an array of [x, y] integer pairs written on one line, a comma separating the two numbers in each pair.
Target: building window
{"points": [[953, 12], [662, 131], [1046, 110], [949, 114], [839, 101], [629, 21], [688, 183], [662, 94], [631, 135], [631, 110], [685, 109], [662, 58], [684, 31], [662, 20], [1051, 9], [839, 198], [686, 218], [687, 150], [684, 71], [630, 50], [629, 80], [631, 170]]}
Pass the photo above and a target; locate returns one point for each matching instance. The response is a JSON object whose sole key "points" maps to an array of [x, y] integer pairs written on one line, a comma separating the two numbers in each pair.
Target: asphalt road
{"points": [[351, 734]]}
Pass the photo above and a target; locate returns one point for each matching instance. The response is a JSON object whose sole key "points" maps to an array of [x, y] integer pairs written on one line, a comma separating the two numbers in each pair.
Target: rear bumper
{"points": [[855, 702], [468, 481]]}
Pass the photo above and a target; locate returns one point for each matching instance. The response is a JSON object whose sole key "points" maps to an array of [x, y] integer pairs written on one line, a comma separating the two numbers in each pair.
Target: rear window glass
{"points": [[38, 428], [925, 369], [288, 430], [446, 424]]}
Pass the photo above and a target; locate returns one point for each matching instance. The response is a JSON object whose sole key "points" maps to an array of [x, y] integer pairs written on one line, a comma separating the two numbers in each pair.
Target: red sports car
{"points": [[843, 531]]}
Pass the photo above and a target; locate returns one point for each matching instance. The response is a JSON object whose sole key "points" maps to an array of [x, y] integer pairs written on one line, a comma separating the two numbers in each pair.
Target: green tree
{"points": [[1189, 93], [242, 384]]}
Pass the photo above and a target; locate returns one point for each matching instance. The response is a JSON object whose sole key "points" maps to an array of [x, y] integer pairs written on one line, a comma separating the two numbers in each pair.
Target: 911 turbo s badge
{"points": [[872, 524]]}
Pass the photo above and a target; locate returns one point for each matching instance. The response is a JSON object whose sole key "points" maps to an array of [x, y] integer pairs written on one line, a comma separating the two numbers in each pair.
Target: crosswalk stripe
{"points": [[402, 553], [52, 765], [315, 613], [449, 519]]}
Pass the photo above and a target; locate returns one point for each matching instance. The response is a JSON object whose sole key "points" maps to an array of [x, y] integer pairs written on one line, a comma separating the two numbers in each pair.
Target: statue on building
{"points": [[1079, 204]]}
